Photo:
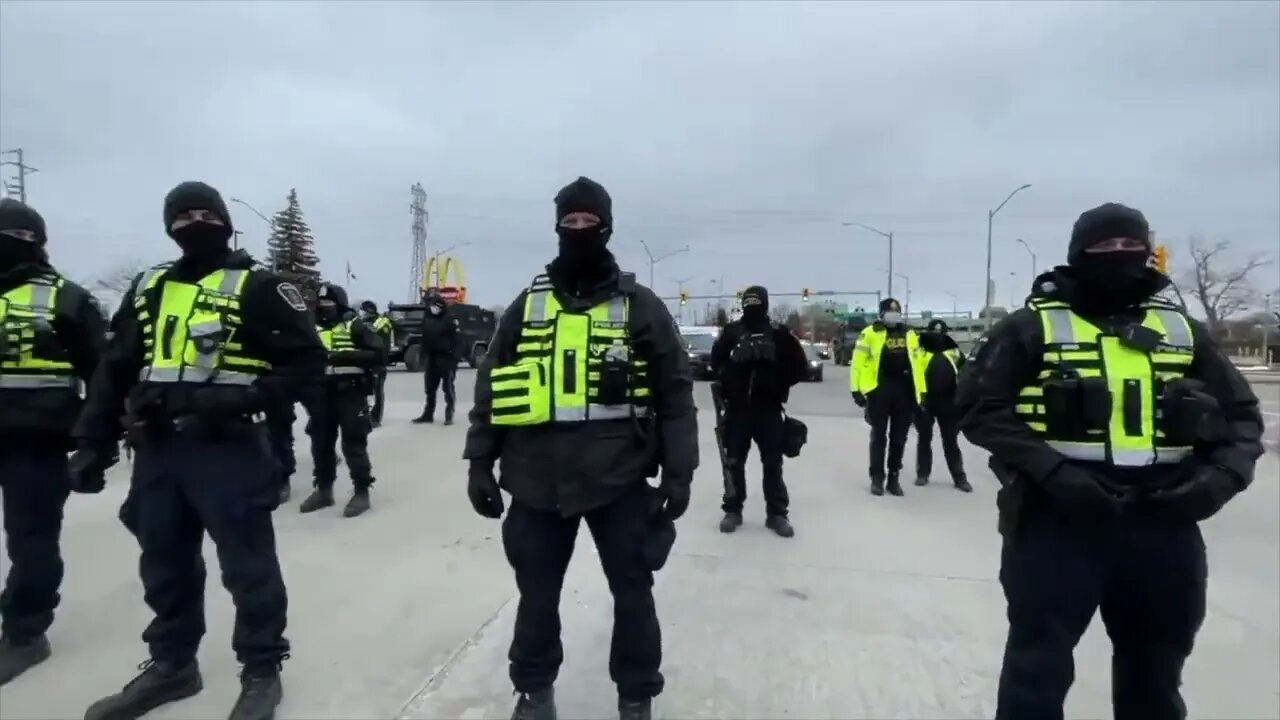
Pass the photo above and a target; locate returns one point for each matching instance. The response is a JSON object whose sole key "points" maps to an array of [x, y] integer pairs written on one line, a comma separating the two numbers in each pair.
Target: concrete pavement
{"points": [[878, 608]]}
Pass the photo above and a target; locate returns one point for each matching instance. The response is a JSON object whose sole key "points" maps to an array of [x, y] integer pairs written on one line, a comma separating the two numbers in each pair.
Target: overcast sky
{"points": [[745, 130]]}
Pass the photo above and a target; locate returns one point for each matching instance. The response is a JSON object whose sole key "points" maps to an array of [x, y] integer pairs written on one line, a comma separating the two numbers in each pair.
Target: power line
{"points": [[418, 208], [20, 187]]}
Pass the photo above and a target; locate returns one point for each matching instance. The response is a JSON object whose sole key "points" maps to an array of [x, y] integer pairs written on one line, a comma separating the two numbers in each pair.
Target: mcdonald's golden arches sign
{"points": [[435, 277]]}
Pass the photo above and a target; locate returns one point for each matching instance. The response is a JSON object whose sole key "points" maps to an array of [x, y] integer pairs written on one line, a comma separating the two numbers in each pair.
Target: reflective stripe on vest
{"points": [[195, 336], [864, 366], [570, 351], [1135, 378], [338, 339], [27, 313]]}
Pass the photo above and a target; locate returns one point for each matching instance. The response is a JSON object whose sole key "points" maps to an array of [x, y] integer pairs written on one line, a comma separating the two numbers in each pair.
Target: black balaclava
{"points": [[891, 312], [934, 338], [436, 306], [1110, 280], [369, 307], [755, 306], [331, 304], [199, 241], [582, 250], [17, 216]]}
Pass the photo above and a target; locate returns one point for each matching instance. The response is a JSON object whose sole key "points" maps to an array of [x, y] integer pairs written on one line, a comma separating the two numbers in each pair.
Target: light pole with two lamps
{"points": [[883, 234], [655, 260], [986, 288]]}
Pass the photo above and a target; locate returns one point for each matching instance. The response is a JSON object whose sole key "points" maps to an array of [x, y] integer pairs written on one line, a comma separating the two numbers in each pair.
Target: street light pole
{"points": [[270, 223], [906, 306], [883, 234], [655, 260], [986, 288], [955, 304], [1032, 253]]}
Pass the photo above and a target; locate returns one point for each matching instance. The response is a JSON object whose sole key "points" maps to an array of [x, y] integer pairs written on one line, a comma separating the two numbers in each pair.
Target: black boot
{"points": [[962, 484], [922, 480], [448, 416], [428, 416], [893, 486], [260, 693], [17, 657], [780, 525], [634, 709], [732, 521], [286, 492], [877, 485], [540, 705], [320, 498], [159, 684], [358, 504]]}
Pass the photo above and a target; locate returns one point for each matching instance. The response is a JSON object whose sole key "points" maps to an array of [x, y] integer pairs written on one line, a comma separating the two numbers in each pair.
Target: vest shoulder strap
{"points": [[627, 283], [1160, 304]]}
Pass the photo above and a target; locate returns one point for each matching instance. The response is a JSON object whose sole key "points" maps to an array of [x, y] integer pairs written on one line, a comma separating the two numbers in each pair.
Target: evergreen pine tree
{"points": [[291, 250]]}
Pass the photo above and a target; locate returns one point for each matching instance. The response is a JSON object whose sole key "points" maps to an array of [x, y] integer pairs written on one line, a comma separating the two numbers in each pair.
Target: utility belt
{"points": [[144, 431]]}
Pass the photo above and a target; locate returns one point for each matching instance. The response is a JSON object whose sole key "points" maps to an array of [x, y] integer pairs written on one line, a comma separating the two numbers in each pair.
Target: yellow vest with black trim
{"points": [[926, 357], [383, 326], [560, 359], [338, 339], [31, 356], [196, 335], [1135, 379], [864, 368]]}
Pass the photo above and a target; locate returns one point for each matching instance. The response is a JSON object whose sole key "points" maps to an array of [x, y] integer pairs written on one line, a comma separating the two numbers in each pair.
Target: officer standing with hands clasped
{"points": [[757, 362], [886, 379], [1115, 426], [940, 361], [203, 346], [51, 337], [585, 392], [440, 348], [382, 325], [340, 404]]}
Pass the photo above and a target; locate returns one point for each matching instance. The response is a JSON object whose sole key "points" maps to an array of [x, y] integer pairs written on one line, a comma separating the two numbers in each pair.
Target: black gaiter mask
{"points": [[1112, 281], [200, 241], [582, 249]]}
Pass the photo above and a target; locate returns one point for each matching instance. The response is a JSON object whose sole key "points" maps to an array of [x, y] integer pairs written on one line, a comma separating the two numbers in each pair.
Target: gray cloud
{"points": [[747, 130]]}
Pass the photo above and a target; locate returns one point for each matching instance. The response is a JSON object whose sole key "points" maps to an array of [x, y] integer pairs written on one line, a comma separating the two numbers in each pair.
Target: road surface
{"points": [[878, 608]]}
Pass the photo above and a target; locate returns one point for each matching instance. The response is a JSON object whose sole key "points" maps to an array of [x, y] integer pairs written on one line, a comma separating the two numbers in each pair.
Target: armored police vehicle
{"points": [[475, 325]]}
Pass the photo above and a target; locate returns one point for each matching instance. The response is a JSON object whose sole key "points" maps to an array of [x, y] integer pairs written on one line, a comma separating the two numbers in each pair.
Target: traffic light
{"points": [[684, 297], [804, 295], [1160, 259]]}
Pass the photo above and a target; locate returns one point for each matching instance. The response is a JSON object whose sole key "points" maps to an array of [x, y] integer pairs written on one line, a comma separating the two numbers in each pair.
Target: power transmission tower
{"points": [[20, 187], [419, 211]]}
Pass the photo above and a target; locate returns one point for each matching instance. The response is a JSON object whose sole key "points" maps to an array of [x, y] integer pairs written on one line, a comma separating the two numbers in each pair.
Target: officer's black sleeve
{"points": [[484, 439], [1239, 404], [988, 389], [657, 340], [280, 324], [795, 363], [81, 328], [115, 373], [371, 351]]}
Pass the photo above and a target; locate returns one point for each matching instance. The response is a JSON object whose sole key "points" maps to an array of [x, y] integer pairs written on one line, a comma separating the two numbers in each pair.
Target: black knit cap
{"points": [[1111, 220], [890, 305], [17, 215], [585, 195], [760, 295], [937, 325], [193, 195]]}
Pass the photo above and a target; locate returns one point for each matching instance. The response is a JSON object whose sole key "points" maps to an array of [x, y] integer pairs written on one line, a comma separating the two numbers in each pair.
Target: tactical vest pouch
{"points": [[206, 339], [521, 393], [756, 347], [615, 372], [45, 345], [1095, 406], [1062, 408]]}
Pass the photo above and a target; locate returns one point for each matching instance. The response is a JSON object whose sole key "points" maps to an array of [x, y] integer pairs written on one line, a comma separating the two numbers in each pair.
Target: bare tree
{"points": [[780, 312], [116, 281], [1219, 285]]}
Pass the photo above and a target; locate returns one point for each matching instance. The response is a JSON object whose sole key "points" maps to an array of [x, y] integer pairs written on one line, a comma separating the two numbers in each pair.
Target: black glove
{"points": [[859, 399], [675, 496], [1199, 498], [88, 465], [1081, 493], [483, 490]]}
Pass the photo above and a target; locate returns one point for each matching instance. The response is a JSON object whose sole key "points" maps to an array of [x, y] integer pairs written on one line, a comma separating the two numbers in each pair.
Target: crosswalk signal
{"points": [[684, 297], [1160, 259], [804, 295]]}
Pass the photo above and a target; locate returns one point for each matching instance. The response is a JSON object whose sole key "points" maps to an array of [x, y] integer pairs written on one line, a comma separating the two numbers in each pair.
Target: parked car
{"points": [[698, 344], [813, 353]]}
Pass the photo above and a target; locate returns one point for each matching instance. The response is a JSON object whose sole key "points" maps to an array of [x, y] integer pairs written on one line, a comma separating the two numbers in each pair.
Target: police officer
{"points": [[1115, 426], [585, 391], [382, 325], [203, 346], [940, 361], [440, 348], [885, 379], [757, 362], [340, 404], [51, 336]]}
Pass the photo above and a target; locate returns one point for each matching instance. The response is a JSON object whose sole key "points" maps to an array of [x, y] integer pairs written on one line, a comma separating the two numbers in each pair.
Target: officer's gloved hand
{"points": [[675, 493], [1208, 489], [1080, 492], [88, 465], [483, 490], [859, 399]]}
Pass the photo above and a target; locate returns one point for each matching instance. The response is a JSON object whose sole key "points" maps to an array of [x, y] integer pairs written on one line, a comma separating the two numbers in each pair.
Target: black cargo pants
{"points": [[280, 428], [183, 486], [379, 394], [440, 371], [890, 408], [948, 420], [765, 427], [342, 409], [1148, 579], [539, 545], [34, 488]]}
